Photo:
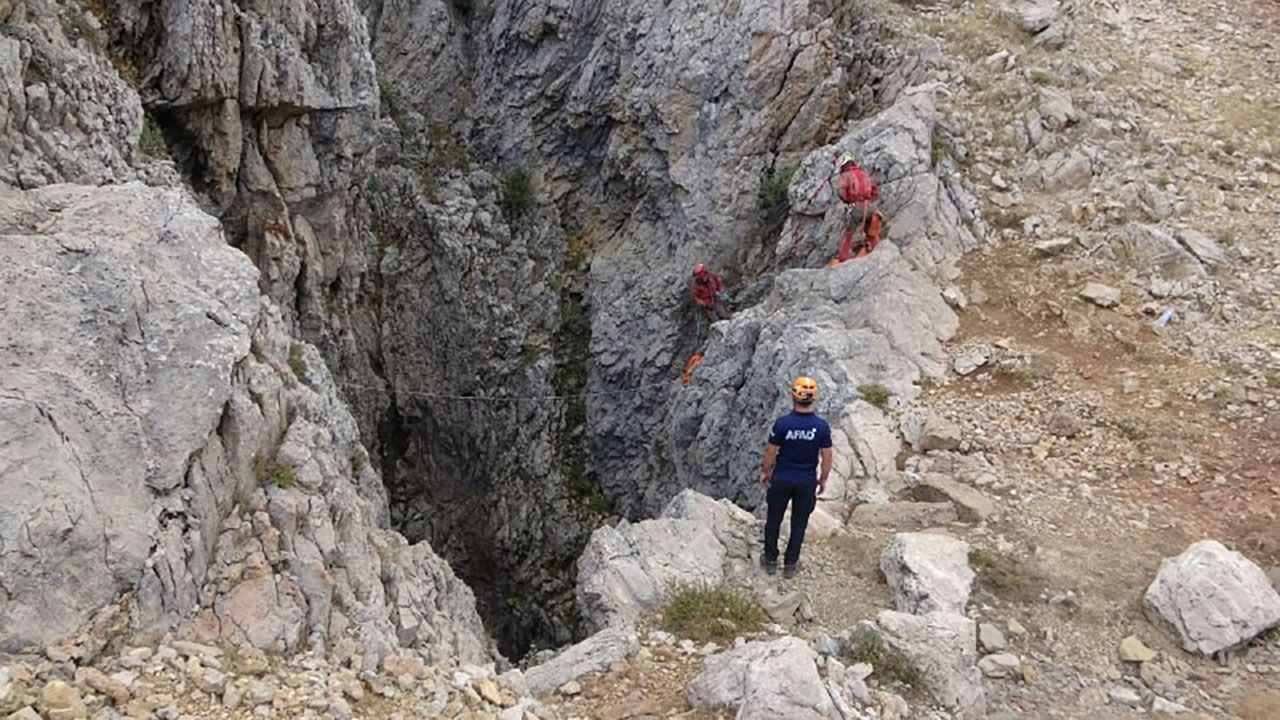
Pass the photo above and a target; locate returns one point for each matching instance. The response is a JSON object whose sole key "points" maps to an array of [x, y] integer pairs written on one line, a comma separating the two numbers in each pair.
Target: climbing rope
{"points": [[507, 398]]}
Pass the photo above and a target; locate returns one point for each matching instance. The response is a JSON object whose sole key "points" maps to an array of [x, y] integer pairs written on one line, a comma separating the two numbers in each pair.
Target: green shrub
{"points": [[1040, 77], [151, 139], [771, 197], [888, 665], [462, 6], [448, 151], [700, 612], [517, 194], [269, 472], [939, 149], [875, 394], [297, 363]]}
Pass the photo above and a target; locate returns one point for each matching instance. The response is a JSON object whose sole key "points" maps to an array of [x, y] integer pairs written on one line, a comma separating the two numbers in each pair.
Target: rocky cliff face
{"points": [[484, 216], [174, 461], [645, 132]]}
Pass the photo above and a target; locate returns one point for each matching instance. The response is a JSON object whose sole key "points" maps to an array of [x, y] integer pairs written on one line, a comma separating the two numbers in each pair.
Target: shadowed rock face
{"points": [[645, 130]]}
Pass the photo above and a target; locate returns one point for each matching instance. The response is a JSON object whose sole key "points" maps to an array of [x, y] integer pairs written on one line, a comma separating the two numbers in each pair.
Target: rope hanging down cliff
{"points": [[512, 398]]}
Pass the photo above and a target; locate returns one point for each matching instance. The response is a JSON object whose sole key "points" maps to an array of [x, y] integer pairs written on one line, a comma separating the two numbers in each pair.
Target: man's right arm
{"points": [[770, 455]]}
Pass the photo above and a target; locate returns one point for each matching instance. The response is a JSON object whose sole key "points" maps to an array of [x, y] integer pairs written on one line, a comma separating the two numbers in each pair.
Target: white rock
{"points": [[943, 646], [927, 572], [1168, 707], [1154, 252], [1206, 249], [1100, 295], [1121, 695], [990, 637], [570, 688], [1055, 246], [969, 361], [1056, 108], [939, 433], [626, 570], [763, 680], [1034, 16], [971, 504], [1134, 650], [1065, 170], [593, 655], [1000, 665], [1212, 599]]}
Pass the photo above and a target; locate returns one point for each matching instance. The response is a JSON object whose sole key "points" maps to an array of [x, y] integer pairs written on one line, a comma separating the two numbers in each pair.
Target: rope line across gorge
{"points": [[508, 398]]}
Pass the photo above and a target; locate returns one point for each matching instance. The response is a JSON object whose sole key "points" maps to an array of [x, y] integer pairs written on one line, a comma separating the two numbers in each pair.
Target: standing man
{"points": [[796, 443]]}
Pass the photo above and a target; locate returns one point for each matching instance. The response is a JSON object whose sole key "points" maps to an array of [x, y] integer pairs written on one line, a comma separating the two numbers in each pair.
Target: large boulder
{"points": [[126, 313], [168, 442], [1212, 599], [626, 570], [1153, 251], [763, 680], [943, 647], [927, 572], [734, 527], [593, 655]]}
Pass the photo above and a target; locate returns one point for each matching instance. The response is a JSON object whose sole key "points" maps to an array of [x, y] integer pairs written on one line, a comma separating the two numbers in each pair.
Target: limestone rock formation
{"points": [[65, 114], [943, 647], [764, 679], [927, 572], [626, 570], [172, 452], [543, 402], [1211, 598], [592, 655], [875, 322]]}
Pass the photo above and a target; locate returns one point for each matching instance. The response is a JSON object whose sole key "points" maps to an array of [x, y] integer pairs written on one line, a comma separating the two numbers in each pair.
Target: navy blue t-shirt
{"points": [[799, 437]]}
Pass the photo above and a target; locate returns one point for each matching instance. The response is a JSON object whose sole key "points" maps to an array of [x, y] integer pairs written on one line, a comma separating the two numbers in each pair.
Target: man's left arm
{"points": [[827, 458]]}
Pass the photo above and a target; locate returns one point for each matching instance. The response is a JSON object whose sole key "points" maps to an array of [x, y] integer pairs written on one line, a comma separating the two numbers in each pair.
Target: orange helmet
{"points": [[804, 389]]}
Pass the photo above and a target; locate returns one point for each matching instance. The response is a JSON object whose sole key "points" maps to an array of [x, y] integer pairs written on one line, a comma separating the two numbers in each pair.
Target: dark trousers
{"points": [[803, 496]]}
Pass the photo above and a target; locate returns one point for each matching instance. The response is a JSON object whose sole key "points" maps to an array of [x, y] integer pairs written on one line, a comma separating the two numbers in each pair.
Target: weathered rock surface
{"points": [[1065, 171], [1000, 665], [1211, 598], [970, 503], [1152, 251], [927, 572], [939, 433], [170, 441], [272, 111], [593, 655], [65, 114], [626, 570], [943, 647], [734, 527], [903, 515], [1133, 649], [763, 679], [1101, 295]]}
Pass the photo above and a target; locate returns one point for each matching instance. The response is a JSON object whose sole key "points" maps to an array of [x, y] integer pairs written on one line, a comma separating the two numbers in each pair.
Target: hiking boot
{"points": [[770, 566], [789, 571]]}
